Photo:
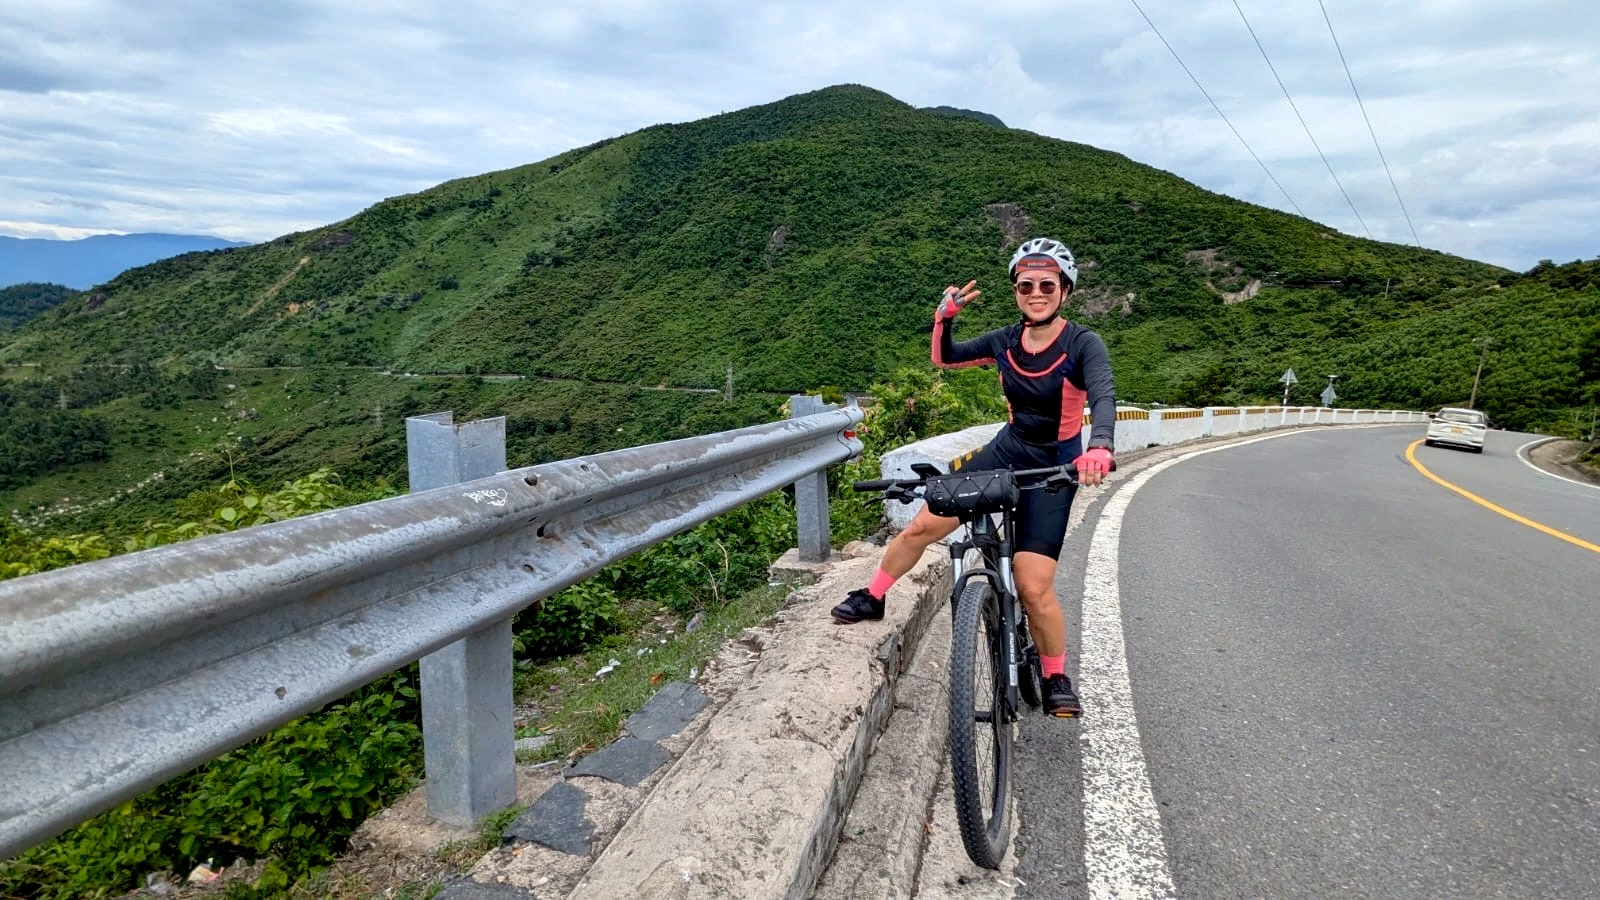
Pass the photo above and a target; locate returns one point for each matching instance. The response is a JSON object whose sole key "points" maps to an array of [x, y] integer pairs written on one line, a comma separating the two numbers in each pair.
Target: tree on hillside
{"points": [[21, 302], [1589, 369], [1589, 358]]}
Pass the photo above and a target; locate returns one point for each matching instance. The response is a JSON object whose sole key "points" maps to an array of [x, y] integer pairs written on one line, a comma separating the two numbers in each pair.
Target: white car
{"points": [[1458, 427]]}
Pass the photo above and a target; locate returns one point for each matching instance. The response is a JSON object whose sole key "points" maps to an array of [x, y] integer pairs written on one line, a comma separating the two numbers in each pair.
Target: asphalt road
{"points": [[1350, 681]]}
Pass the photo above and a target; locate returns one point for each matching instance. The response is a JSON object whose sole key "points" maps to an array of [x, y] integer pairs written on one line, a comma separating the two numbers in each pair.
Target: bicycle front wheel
{"points": [[981, 732]]}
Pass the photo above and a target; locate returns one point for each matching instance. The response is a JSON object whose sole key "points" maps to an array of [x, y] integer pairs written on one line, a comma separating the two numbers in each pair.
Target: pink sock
{"points": [[881, 583], [1053, 665]]}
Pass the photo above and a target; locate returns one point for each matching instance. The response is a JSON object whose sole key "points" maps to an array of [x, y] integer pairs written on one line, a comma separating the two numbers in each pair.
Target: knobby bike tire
{"points": [[977, 668]]}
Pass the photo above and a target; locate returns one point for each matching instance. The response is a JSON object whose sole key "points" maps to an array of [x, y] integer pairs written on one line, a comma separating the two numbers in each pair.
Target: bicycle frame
{"points": [[994, 546], [983, 830]]}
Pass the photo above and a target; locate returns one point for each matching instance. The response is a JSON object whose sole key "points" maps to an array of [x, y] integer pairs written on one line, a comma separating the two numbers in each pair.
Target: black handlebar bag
{"points": [[971, 493]]}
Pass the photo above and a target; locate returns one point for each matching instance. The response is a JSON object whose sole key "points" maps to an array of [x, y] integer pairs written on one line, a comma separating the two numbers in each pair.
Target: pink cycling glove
{"points": [[1095, 459], [950, 304], [955, 298]]}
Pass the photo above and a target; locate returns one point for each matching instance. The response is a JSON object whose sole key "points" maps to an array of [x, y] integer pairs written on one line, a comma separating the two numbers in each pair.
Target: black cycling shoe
{"points": [[1059, 699], [857, 606]]}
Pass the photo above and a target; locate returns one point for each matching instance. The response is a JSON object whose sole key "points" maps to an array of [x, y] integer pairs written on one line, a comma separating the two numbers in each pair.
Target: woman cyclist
{"points": [[1048, 368]]}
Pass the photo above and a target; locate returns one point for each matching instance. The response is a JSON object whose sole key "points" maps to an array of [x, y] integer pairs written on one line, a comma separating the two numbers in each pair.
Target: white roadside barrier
{"points": [[1136, 430]]}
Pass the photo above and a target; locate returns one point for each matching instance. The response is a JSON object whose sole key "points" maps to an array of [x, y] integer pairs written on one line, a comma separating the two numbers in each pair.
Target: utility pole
{"points": [[727, 392], [1487, 342]]}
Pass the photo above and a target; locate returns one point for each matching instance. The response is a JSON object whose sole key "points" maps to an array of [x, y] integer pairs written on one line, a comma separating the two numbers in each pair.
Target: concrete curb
{"points": [[752, 809], [881, 845]]}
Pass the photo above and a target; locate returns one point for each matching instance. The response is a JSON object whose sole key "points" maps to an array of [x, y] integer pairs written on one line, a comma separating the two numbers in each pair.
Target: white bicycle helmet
{"points": [[1051, 249]]}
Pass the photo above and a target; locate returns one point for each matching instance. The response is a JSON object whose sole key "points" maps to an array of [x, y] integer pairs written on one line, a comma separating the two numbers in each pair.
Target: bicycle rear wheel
{"points": [[981, 732]]}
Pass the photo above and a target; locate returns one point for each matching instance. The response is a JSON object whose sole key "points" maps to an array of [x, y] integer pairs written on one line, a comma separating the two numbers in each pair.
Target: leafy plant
{"points": [[21, 302], [293, 795], [568, 621]]}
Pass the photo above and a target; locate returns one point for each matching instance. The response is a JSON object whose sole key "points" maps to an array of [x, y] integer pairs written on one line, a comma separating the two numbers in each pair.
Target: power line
{"points": [[1300, 117], [1369, 125], [1218, 109]]}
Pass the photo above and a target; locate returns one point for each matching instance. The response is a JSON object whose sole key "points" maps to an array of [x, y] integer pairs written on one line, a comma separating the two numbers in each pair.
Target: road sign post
{"points": [[1287, 380]]}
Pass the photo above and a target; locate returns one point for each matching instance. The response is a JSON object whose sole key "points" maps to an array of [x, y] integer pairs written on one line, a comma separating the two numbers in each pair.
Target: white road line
{"points": [[1529, 463], [1124, 853]]}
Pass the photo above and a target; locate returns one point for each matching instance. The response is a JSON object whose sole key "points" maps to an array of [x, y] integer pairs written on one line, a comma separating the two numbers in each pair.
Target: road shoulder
{"points": [[1561, 458]]}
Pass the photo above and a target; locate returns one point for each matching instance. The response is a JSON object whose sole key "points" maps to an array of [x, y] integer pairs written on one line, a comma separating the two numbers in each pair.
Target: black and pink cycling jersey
{"points": [[1045, 391]]}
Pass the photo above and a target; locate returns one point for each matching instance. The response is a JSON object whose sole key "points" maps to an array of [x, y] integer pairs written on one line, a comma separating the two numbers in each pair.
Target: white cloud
{"points": [[54, 232], [249, 121]]}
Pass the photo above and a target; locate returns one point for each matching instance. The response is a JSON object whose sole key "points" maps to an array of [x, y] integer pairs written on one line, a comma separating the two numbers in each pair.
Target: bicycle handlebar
{"points": [[1052, 475]]}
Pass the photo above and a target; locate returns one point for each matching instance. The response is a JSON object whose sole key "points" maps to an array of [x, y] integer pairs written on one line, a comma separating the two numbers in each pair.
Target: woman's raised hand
{"points": [[956, 298]]}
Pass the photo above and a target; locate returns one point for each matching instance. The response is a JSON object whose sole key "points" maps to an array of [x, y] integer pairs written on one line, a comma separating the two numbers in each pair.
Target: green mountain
{"points": [[21, 302], [801, 243]]}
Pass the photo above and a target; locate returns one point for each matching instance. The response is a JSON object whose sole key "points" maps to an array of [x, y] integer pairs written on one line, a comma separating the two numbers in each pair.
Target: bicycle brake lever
{"points": [[1056, 482]]}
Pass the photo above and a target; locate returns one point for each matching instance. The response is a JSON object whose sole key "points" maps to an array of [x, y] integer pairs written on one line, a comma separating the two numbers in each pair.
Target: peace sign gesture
{"points": [[955, 299]]}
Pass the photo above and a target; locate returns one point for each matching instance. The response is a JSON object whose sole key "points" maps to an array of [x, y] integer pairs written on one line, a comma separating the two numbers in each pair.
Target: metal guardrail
{"points": [[118, 674]]}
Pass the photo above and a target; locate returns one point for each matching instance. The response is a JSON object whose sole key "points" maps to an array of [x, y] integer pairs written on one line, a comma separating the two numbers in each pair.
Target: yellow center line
{"points": [[1411, 456]]}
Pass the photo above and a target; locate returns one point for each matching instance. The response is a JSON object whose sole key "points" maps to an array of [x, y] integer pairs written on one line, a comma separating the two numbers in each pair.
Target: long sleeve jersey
{"points": [[1045, 391]]}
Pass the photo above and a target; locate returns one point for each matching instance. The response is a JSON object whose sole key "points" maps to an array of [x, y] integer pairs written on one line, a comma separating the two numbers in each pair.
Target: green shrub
{"points": [[719, 559], [294, 795], [568, 621], [25, 555]]}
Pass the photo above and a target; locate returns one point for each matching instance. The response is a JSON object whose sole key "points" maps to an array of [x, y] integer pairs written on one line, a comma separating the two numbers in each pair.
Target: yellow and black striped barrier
{"points": [[1123, 415]]}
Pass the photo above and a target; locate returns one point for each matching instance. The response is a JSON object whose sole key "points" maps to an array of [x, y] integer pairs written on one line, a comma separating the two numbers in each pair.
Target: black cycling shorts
{"points": [[1041, 518]]}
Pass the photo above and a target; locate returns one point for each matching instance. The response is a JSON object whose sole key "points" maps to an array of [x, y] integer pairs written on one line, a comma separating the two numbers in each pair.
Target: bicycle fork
{"points": [[1004, 585], [1008, 626]]}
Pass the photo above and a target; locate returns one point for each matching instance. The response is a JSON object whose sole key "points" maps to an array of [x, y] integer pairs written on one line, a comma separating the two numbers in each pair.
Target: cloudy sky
{"points": [[249, 120]]}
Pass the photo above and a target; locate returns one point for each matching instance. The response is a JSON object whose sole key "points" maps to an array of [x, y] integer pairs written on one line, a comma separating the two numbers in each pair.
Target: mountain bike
{"points": [[994, 665]]}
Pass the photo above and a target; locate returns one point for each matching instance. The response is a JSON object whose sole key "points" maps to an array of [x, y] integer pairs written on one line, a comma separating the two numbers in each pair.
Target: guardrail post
{"points": [[811, 493], [468, 741], [1205, 422]]}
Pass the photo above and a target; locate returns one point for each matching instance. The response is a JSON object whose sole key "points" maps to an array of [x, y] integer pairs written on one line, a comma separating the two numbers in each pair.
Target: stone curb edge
{"points": [[754, 806]]}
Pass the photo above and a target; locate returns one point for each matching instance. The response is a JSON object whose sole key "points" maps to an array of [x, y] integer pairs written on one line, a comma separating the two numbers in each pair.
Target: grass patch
{"points": [[1590, 460], [582, 712], [462, 854]]}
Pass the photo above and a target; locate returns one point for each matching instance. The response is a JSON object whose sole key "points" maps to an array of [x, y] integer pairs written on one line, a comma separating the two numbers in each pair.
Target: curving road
{"points": [[1346, 680]]}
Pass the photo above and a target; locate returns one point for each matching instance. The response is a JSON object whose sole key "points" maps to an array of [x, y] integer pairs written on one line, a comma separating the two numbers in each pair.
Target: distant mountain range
{"points": [[84, 263]]}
